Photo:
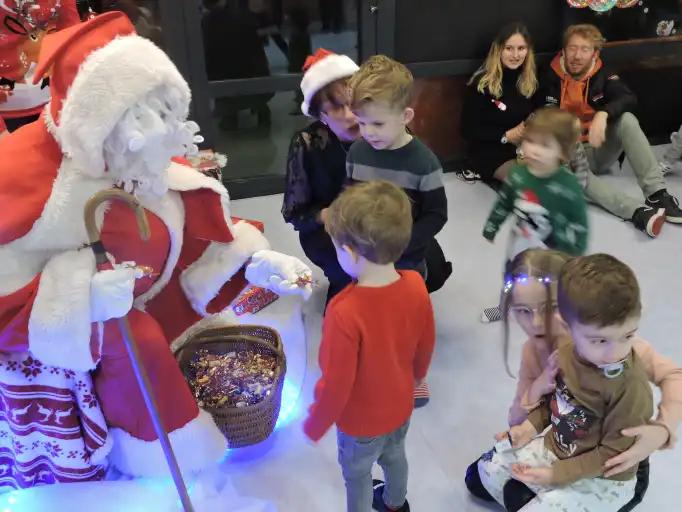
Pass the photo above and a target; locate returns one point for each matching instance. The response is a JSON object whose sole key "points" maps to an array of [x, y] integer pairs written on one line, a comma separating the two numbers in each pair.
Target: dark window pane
{"points": [[254, 132], [255, 38]]}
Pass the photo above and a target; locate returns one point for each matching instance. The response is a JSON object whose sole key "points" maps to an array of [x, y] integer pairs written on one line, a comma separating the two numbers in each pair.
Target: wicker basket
{"points": [[249, 425]]}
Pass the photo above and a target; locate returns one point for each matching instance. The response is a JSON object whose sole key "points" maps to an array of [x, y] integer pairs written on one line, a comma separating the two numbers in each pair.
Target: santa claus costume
{"points": [[118, 108]]}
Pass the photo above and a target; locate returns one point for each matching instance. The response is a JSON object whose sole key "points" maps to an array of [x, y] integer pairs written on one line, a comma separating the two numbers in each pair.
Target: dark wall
{"points": [[431, 30]]}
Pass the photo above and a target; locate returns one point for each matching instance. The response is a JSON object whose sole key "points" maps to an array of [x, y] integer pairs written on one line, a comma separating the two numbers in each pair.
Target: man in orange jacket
{"points": [[577, 81]]}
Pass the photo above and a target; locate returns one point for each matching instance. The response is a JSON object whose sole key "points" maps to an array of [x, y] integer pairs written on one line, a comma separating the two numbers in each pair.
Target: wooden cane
{"points": [[124, 326]]}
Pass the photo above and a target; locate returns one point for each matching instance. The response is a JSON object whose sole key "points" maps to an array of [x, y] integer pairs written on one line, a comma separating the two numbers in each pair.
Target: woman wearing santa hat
{"points": [[316, 165]]}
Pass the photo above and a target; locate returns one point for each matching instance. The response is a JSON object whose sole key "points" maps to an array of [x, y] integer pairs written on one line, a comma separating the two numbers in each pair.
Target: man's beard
{"points": [[581, 73]]}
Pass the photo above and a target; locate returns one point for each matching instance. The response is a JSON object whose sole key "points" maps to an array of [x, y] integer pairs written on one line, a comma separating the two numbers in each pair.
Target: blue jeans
{"points": [[357, 455]]}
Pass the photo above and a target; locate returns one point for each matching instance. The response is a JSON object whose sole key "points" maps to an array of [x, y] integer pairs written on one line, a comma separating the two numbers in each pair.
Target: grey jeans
{"points": [[357, 455], [624, 134]]}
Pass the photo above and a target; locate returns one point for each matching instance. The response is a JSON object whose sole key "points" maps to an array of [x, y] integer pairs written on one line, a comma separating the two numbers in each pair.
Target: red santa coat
{"points": [[44, 296]]}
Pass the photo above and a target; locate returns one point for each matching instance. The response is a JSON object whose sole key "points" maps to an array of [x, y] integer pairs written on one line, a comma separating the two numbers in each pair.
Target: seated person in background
{"points": [[499, 98], [673, 154], [578, 82]]}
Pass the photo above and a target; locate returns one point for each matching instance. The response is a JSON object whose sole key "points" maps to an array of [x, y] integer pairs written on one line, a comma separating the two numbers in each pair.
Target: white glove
{"points": [[111, 292], [279, 273]]}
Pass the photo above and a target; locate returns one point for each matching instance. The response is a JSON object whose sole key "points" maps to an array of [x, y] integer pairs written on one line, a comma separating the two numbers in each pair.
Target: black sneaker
{"points": [[650, 220], [662, 199], [490, 315], [467, 176], [378, 499]]}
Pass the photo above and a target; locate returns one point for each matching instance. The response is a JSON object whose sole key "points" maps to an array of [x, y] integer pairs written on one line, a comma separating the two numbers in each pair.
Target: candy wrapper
{"points": [[253, 299], [209, 162], [235, 379]]}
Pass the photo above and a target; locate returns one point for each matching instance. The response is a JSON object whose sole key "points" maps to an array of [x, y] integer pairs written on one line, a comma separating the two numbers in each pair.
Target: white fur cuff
{"points": [[204, 278], [197, 445], [59, 327]]}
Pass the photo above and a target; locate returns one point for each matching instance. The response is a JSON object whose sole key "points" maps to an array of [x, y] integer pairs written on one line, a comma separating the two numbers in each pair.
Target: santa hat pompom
{"points": [[321, 69]]}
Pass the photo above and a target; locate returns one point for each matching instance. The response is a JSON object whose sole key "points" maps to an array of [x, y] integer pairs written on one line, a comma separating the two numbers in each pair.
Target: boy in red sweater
{"points": [[378, 337]]}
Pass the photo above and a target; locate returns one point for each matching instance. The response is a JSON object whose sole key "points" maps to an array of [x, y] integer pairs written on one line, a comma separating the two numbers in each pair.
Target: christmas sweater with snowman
{"points": [[587, 413], [550, 212]]}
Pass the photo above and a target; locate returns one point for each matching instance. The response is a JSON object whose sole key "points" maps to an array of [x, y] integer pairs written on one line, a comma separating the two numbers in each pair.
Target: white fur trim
{"points": [[111, 80], [59, 228], [59, 327], [100, 454], [326, 71], [183, 178], [171, 210], [204, 278], [197, 445]]}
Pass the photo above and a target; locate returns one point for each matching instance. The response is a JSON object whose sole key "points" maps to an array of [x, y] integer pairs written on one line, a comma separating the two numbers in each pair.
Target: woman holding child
{"points": [[499, 98], [317, 172], [530, 293], [316, 165]]}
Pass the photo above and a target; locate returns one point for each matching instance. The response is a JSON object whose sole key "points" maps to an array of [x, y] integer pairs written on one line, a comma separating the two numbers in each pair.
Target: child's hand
{"points": [[515, 134], [522, 434], [529, 475]]}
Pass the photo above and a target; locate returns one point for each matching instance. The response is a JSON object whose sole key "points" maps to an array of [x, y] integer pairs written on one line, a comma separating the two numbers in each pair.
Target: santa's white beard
{"points": [[140, 147]]}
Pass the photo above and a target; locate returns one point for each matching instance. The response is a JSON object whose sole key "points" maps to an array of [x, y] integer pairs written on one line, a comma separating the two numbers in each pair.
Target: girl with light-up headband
{"points": [[530, 293]]}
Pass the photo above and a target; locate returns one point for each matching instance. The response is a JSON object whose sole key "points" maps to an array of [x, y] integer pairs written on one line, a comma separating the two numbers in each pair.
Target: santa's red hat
{"points": [[98, 70], [321, 69]]}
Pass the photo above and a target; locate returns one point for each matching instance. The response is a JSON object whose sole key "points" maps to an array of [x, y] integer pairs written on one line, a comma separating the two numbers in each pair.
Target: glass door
{"points": [[244, 58]]}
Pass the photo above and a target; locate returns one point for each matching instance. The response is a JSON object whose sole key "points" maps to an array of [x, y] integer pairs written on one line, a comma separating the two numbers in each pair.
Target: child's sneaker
{"points": [[490, 315], [467, 176], [422, 395], [378, 499], [650, 220]]}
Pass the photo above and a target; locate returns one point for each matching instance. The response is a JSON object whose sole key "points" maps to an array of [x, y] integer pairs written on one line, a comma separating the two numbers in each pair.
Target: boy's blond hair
{"points": [[598, 290], [383, 79], [587, 31], [562, 125], [374, 219]]}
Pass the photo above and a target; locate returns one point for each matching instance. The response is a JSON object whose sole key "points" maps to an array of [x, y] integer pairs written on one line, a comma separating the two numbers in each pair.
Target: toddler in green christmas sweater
{"points": [[545, 197]]}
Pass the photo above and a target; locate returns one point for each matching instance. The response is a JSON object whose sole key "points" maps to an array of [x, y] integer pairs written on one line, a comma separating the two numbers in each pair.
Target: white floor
{"points": [[470, 390]]}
